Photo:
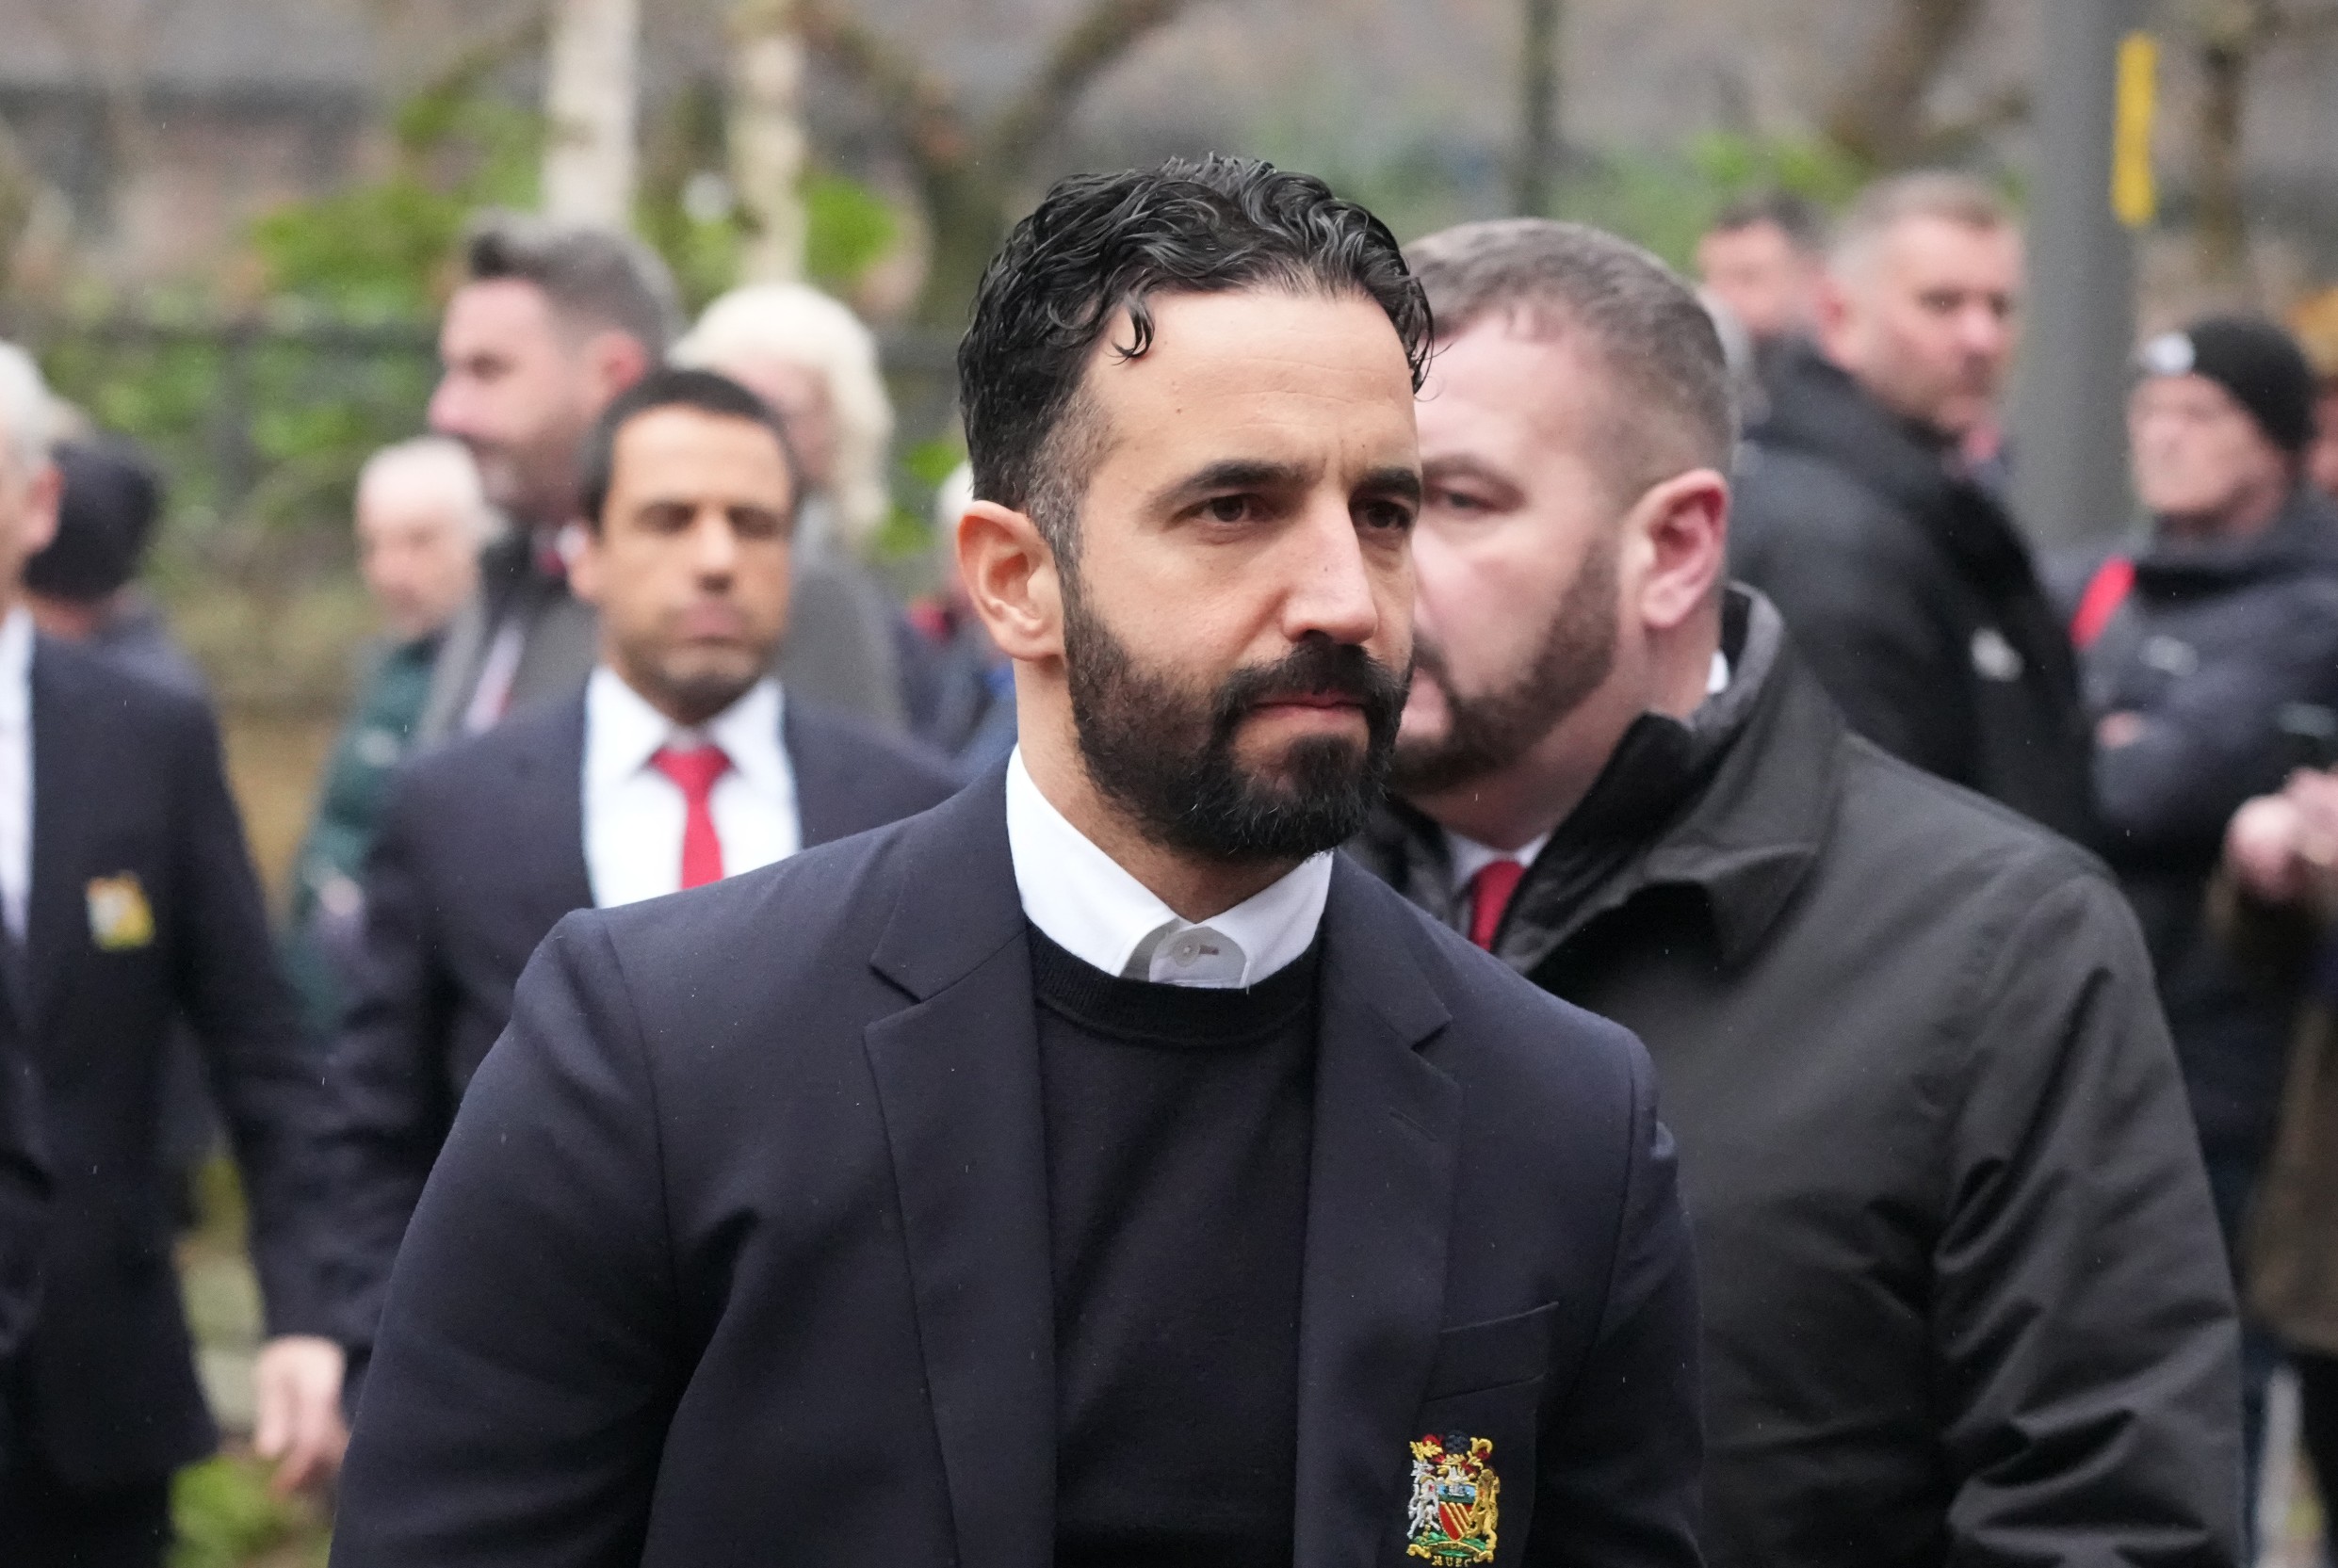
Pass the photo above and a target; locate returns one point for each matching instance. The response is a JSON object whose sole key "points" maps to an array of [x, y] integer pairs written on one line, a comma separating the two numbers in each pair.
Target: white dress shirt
{"points": [[15, 769], [1084, 903], [634, 815]]}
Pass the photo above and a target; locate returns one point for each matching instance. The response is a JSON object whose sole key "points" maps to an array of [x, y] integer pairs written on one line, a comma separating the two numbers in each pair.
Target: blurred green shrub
{"points": [[225, 1518]]}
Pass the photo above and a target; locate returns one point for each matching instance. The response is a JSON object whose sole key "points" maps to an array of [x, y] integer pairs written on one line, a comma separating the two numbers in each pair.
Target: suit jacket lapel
{"points": [[56, 907], [957, 1078], [1379, 1210]]}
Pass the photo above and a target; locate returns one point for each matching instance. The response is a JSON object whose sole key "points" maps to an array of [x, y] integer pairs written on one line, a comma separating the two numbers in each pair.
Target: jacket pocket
{"points": [[1491, 1354]]}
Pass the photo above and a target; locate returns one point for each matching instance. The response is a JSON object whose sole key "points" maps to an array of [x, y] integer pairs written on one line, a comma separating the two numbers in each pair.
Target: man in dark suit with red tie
{"points": [[681, 761], [1094, 1170]]}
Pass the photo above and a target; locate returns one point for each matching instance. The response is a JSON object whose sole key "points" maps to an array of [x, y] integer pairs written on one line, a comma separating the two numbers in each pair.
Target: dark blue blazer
{"points": [[739, 1251], [144, 910], [480, 853]]}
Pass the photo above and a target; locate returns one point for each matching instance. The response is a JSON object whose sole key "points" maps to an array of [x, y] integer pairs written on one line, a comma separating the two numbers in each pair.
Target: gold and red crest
{"points": [[1456, 1500]]}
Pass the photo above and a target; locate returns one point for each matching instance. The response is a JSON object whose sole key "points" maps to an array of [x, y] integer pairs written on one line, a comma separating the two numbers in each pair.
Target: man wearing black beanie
{"points": [[83, 588], [2209, 662]]}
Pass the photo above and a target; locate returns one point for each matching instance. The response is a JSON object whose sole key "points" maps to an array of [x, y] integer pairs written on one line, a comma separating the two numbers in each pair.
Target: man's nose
{"points": [[714, 545], [449, 408], [1332, 590]]}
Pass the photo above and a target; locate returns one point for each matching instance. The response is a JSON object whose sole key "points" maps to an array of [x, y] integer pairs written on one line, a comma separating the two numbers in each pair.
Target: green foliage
{"points": [[849, 229], [225, 1518], [1665, 201]]}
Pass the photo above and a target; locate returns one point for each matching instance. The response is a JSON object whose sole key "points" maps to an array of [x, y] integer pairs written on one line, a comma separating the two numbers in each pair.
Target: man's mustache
{"points": [[1316, 668]]}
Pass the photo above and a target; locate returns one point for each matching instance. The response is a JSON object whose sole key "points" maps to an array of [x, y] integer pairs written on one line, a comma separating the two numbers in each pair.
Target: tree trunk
{"points": [[766, 135], [1879, 117], [589, 112], [2230, 33], [1538, 94]]}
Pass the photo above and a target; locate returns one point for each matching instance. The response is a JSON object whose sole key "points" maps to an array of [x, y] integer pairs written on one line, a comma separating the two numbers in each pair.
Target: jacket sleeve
{"points": [[390, 1104], [265, 1070], [2214, 740], [1861, 623], [523, 1379], [1622, 1467], [2083, 1316]]}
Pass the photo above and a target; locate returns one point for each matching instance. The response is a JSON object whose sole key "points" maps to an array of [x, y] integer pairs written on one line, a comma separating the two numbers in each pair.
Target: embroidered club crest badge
{"points": [[120, 917], [1456, 1500]]}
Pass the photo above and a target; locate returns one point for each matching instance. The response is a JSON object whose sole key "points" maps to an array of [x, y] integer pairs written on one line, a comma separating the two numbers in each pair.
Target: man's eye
{"points": [[1393, 515], [1229, 508]]}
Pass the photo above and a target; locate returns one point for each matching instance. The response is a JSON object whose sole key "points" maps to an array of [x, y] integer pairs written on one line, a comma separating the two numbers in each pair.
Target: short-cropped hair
{"points": [[595, 280], [27, 416], [707, 391], [1669, 407], [1106, 243], [1798, 218], [1964, 200]]}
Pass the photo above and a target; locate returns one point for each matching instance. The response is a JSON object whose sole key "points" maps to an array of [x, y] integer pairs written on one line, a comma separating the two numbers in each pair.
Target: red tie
{"points": [[1489, 895], [693, 773]]}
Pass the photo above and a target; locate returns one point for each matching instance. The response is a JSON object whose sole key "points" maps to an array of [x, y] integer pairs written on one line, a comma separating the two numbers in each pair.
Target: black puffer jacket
{"points": [[2211, 648], [1912, 596], [1964, 1297]]}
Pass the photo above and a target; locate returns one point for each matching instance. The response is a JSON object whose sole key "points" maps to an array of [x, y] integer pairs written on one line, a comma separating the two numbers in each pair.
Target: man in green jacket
{"points": [[420, 521]]}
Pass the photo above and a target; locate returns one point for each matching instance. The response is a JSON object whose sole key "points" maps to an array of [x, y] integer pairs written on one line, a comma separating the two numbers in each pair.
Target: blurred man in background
{"points": [[83, 587], [682, 760], [1765, 258], [959, 687], [1905, 582], [552, 322], [128, 901], [2208, 660], [1906, 1042], [421, 522], [816, 365]]}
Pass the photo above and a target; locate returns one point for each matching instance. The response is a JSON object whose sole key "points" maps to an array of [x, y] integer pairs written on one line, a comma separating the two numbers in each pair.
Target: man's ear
{"points": [[43, 493], [587, 563], [612, 361], [1684, 525], [1011, 581]]}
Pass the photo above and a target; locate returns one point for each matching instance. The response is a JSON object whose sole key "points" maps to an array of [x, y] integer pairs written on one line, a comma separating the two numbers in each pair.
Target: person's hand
{"points": [[297, 1381], [2116, 730], [2261, 847]]}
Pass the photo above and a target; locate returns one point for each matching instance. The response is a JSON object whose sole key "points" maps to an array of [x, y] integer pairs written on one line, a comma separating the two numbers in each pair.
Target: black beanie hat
{"points": [[2260, 364], [103, 520]]}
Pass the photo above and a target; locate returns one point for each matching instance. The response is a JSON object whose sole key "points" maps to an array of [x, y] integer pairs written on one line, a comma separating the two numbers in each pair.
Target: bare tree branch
{"points": [[1089, 48], [1879, 117]]}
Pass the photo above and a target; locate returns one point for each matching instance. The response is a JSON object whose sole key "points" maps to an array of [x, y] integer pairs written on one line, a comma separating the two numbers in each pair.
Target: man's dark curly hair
{"points": [[1102, 243]]}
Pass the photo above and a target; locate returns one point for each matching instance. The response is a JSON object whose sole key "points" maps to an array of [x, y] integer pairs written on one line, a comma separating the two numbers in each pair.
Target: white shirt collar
{"points": [[16, 668], [1086, 903], [624, 732]]}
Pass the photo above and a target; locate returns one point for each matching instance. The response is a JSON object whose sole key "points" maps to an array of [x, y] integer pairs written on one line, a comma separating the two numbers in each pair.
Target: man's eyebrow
{"points": [[1465, 467], [1403, 483], [1233, 473]]}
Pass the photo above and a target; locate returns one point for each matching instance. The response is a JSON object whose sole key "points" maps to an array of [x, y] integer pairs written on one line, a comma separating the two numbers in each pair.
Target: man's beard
{"points": [[1167, 754], [1486, 733]]}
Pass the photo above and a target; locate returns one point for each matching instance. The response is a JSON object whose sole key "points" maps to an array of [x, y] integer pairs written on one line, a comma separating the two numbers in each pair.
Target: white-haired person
{"points": [[815, 363], [422, 516]]}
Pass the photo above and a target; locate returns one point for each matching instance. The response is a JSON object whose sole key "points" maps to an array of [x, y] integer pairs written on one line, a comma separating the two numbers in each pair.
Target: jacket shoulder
{"points": [[551, 730], [94, 682], [903, 768], [1932, 835]]}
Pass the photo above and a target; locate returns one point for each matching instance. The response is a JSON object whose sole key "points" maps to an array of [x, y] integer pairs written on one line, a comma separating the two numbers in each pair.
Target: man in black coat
{"points": [[1907, 586], [1963, 1295], [485, 845], [129, 903], [1093, 1170]]}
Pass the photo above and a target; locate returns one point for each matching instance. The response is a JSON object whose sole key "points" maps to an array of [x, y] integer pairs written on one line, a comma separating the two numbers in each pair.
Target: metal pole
{"points": [[2069, 439]]}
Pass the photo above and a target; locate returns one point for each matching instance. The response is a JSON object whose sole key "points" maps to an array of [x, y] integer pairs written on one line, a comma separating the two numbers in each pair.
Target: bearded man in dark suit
{"points": [[1095, 1169]]}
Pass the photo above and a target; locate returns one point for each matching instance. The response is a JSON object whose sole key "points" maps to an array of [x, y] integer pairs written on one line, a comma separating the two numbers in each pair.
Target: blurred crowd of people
{"points": [[1744, 713]]}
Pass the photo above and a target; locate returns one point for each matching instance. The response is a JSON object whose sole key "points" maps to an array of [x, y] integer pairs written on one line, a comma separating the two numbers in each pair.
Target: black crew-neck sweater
{"points": [[1178, 1122]]}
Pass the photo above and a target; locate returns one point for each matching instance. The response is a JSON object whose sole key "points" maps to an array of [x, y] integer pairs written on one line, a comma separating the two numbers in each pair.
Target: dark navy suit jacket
{"points": [[480, 852], [144, 910], [739, 1251]]}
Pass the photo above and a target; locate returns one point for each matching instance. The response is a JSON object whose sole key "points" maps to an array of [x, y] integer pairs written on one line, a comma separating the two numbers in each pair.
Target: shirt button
{"points": [[1186, 948]]}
